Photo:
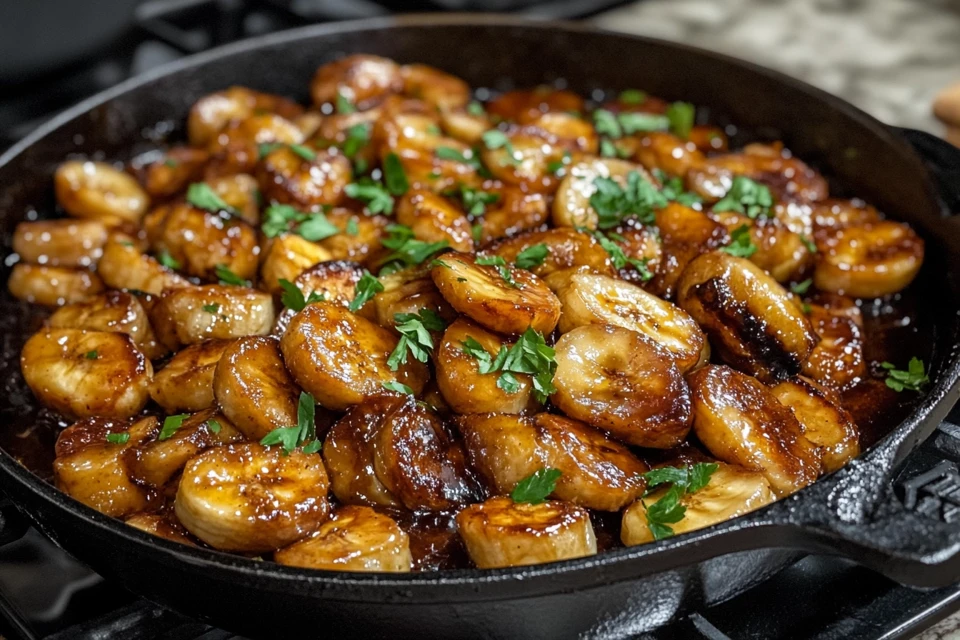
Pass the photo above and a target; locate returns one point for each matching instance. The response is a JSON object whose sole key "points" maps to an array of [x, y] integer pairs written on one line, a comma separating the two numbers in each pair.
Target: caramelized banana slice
{"points": [[526, 105], [361, 79], [185, 383], [335, 281], [741, 422], [503, 448], [440, 89], [353, 539], [868, 261], [341, 358], [499, 305], [408, 291], [86, 373], [116, 311], [156, 462], [123, 266], [52, 286], [60, 243], [825, 423], [619, 381], [588, 298], [565, 249], [253, 387], [515, 211], [211, 113], [242, 193], [250, 498], [499, 533], [90, 468], [96, 190], [732, 491], [433, 218], [467, 390], [571, 207], [161, 525], [837, 361], [286, 176], [170, 173], [187, 316], [749, 318], [289, 256], [236, 149], [359, 246]]}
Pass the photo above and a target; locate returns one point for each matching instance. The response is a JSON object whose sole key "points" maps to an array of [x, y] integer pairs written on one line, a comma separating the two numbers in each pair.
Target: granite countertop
{"points": [[888, 57]]}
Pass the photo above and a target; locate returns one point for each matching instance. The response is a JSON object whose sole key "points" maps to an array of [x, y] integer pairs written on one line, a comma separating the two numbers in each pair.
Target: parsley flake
{"points": [[171, 424], [613, 203], [304, 152], [168, 260], [415, 336], [636, 122], [92, 355], [475, 201], [211, 308], [372, 193], [398, 387], [535, 488], [809, 244], [801, 288], [357, 137], [367, 287], [620, 259], [228, 277], [304, 433], [118, 438], [496, 139], [747, 197], [532, 256], [501, 265], [672, 189], [681, 115], [475, 108], [407, 251], [529, 355], [913, 379], [632, 96], [394, 176], [292, 297], [344, 104], [213, 426], [202, 196], [667, 509], [741, 245]]}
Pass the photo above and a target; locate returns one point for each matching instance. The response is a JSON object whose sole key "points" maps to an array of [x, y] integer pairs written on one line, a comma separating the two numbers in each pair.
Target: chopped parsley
{"points": [[171, 424], [303, 433], [357, 137], [633, 96], [475, 108], [415, 336], [532, 256], [211, 308], [613, 203], [292, 297], [367, 287], [529, 355], [808, 243], [501, 266], [681, 115], [213, 426], [741, 245], [353, 227], [282, 218], [91, 355], [372, 193], [170, 162], [118, 438], [304, 152], [620, 259], [475, 201], [344, 104], [672, 189], [168, 260], [496, 139], [556, 167], [801, 288], [394, 176], [637, 122], [747, 197], [476, 232], [913, 379], [228, 277], [470, 157], [398, 387], [535, 488], [407, 251], [668, 510]]}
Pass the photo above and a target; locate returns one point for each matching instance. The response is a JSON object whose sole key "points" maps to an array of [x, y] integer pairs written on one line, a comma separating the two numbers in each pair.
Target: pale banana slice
{"points": [[589, 298], [482, 293], [353, 539], [190, 315], [60, 243], [123, 266], [619, 381], [731, 492], [740, 421], [52, 286], [185, 383], [499, 533], [98, 191], [115, 311], [82, 374], [869, 260], [251, 498]]}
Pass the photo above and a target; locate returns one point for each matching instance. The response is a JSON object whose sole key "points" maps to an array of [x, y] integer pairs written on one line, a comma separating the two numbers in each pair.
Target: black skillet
{"points": [[852, 512]]}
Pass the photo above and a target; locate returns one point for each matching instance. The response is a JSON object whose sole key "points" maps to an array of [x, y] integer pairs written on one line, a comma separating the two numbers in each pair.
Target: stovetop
{"points": [[46, 594]]}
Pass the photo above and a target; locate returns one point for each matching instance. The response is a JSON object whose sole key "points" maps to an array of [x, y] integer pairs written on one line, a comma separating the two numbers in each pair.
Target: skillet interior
{"points": [[841, 140]]}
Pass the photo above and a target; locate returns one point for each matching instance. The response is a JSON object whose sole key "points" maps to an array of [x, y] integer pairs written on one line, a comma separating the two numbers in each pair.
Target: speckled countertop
{"points": [[888, 57]]}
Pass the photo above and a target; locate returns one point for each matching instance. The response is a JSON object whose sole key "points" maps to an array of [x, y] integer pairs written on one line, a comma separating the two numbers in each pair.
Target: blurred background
{"points": [[889, 57]]}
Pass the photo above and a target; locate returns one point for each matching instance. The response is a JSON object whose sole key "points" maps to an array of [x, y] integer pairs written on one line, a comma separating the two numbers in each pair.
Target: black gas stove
{"points": [[46, 594]]}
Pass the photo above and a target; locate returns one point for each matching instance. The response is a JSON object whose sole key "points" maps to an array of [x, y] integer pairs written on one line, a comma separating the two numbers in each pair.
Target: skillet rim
{"points": [[886, 451]]}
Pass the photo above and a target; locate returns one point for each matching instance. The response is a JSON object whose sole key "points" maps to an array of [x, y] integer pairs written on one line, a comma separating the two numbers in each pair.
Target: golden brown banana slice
{"points": [[408, 291], [341, 358], [482, 293], [362, 79], [686, 233], [503, 448], [185, 383], [156, 462], [526, 105], [353, 539], [464, 125], [170, 173], [97, 190], [236, 149], [124, 266], [336, 282], [60, 243], [190, 315], [564, 248], [837, 214], [251, 498], [837, 361], [253, 388], [360, 235], [780, 252], [825, 423], [286, 176], [869, 260], [588, 298], [516, 211], [90, 465], [741, 422], [750, 319], [116, 311], [462, 385], [619, 381], [571, 206], [52, 286], [639, 242], [731, 492], [525, 156], [241, 192], [500, 533], [440, 89], [162, 525], [83, 373], [433, 218], [675, 157], [211, 113], [288, 256]]}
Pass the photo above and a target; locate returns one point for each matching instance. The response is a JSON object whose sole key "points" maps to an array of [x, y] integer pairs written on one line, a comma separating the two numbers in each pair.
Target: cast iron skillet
{"points": [[851, 512]]}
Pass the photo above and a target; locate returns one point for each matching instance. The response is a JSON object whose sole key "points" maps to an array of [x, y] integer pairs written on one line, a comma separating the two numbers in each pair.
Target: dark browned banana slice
{"points": [[185, 383]]}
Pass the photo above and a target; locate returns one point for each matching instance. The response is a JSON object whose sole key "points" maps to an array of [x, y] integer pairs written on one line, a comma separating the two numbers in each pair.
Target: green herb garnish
{"points": [[801, 288], [535, 488], [407, 251], [211, 308], [214, 426], [747, 197], [118, 438], [475, 108], [529, 355], [681, 116], [171, 424], [367, 287], [202, 196], [532, 256], [372, 193], [344, 104], [415, 336], [304, 433], [668, 510], [91, 355], [740, 244], [398, 387], [613, 203], [228, 277], [168, 260], [394, 176], [914, 378], [292, 297], [501, 266], [633, 96]]}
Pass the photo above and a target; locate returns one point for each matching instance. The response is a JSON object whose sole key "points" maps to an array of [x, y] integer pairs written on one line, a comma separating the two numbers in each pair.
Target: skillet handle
{"points": [[943, 161]]}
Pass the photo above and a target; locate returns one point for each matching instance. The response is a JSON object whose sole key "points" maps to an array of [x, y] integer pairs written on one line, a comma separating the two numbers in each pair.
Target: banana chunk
{"points": [[619, 381], [162, 525], [408, 291], [60, 243], [571, 207], [362, 79], [838, 360], [98, 191], [115, 311], [566, 248], [825, 423], [503, 448], [341, 358], [83, 373], [123, 266], [91, 468], [52, 286], [499, 533], [353, 539], [250, 498], [253, 388], [482, 293], [748, 316], [869, 260], [185, 383], [740, 421], [433, 218], [732, 491], [589, 298], [194, 314]]}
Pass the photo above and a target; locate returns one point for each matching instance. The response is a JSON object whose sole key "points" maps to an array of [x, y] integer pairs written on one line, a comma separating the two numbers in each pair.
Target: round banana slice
{"points": [[467, 390], [499, 533], [185, 383], [516, 211], [741, 422], [123, 266], [250, 498], [353, 539], [161, 525], [749, 317], [503, 448], [334, 281], [83, 373], [60, 243], [731, 492], [825, 423], [433, 218], [564, 248], [619, 381], [440, 89], [286, 176], [97, 190], [116, 311], [362, 79], [170, 173], [253, 388], [838, 359], [364, 238], [482, 293], [211, 113], [190, 315], [341, 358], [588, 298], [408, 291], [52, 286], [91, 468], [571, 207], [869, 260]]}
